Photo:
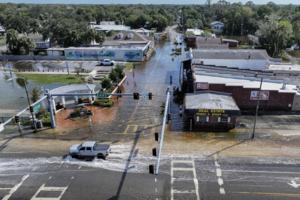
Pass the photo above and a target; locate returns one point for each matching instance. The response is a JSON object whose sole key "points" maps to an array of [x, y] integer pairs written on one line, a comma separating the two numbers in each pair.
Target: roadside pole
{"points": [[257, 109], [29, 104], [162, 133], [50, 102]]}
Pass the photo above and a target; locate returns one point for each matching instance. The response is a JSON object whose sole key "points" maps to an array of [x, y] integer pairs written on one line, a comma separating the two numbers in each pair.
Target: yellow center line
{"points": [[278, 194]]}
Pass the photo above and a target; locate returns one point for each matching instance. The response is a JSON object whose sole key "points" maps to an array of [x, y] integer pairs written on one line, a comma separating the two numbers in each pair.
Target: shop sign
{"points": [[213, 112], [202, 86], [259, 95]]}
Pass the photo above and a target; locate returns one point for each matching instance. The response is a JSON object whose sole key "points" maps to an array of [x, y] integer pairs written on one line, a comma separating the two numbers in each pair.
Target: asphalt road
{"points": [[181, 178]]}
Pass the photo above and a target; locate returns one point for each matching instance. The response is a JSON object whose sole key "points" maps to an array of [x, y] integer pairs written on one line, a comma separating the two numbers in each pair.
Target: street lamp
{"points": [[28, 100]]}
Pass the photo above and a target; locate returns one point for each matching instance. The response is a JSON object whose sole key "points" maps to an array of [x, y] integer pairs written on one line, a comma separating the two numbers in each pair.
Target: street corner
{"points": [[99, 116]]}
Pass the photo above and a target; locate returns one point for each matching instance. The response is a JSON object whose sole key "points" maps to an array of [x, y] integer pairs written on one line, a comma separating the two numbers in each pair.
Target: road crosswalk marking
{"points": [[177, 179], [15, 188], [44, 188]]}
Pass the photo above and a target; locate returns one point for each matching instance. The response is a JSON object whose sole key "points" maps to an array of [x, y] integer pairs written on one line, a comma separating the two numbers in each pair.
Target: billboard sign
{"points": [[259, 95]]}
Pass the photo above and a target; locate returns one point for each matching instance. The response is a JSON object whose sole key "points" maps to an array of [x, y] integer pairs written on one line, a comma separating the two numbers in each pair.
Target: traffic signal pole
{"points": [[162, 133]]}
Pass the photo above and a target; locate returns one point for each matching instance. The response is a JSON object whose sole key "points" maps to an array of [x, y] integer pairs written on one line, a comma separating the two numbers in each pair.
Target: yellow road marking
{"points": [[278, 194], [135, 127]]}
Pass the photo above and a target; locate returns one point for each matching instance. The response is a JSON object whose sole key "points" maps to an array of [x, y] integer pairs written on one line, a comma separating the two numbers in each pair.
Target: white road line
{"points": [[183, 191], [217, 164], [220, 181], [222, 191], [219, 175], [182, 169], [253, 171], [182, 161], [219, 172], [15, 188], [5, 188], [44, 188], [194, 179]]}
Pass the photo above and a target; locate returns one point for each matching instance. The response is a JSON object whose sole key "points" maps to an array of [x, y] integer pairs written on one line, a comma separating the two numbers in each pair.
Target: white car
{"points": [[107, 62]]}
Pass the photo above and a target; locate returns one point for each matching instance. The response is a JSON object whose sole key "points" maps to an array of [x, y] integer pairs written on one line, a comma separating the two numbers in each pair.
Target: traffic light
{"points": [[17, 119], [156, 136], [151, 169], [136, 96], [169, 116], [150, 95], [154, 153], [31, 109]]}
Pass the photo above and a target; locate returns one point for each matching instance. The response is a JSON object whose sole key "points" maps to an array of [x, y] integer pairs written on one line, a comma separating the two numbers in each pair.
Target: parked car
{"points": [[107, 62], [90, 150]]}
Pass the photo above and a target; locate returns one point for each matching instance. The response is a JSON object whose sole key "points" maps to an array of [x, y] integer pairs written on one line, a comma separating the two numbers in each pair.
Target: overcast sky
{"points": [[144, 1]]}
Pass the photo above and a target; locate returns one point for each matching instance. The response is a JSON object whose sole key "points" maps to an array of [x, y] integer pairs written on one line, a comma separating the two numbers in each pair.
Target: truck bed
{"points": [[101, 147]]}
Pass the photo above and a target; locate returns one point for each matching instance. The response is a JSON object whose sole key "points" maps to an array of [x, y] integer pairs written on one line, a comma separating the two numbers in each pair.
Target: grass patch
{"points": [[53, 78]]}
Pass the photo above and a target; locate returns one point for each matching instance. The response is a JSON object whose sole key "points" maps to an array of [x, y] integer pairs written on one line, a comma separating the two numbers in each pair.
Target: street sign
{"points": [[202, 86], [1, 127], [259, 95]]}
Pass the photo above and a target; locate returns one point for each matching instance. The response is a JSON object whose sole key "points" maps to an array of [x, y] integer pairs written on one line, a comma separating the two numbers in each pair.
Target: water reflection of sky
{"points": [[13, 96]]}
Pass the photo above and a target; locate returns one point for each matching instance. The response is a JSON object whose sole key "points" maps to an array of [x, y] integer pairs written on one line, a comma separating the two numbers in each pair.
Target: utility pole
{"points": [[162, 133], [257, 109], [29, 104]]}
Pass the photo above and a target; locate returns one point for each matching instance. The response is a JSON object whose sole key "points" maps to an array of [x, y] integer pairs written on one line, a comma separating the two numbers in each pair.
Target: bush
{"points": [[103, 103], [106, 83]]}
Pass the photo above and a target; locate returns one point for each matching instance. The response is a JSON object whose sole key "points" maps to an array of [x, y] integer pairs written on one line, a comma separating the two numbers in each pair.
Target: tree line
{"points": [[66, 25]]}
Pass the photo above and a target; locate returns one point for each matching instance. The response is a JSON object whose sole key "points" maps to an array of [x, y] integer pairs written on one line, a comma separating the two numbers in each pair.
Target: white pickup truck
{"points": [[90, 149]]}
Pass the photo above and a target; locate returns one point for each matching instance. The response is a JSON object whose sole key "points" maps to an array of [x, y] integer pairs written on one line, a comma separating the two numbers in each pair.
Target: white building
{"points": [[194, 32], [217, 27], [234, 58], [108, 26]]}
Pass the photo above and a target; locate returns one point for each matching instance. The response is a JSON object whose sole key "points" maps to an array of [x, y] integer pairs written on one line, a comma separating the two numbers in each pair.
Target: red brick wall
{"points": [[277, 101]]}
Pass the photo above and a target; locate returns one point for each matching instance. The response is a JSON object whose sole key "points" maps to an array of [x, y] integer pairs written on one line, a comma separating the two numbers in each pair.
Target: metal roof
{"points": [[231, 54], [211, 101], [73, 88], [245, 82]]}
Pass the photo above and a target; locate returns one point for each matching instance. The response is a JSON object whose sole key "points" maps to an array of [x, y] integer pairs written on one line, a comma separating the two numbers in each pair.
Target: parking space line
{"points": [[15, 188]]}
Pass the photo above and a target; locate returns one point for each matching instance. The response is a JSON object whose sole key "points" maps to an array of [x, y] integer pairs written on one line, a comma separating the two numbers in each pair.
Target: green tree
{"points": [[35, 94], [18, 44], [106, 83], [12, 40], [275, 34]]}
